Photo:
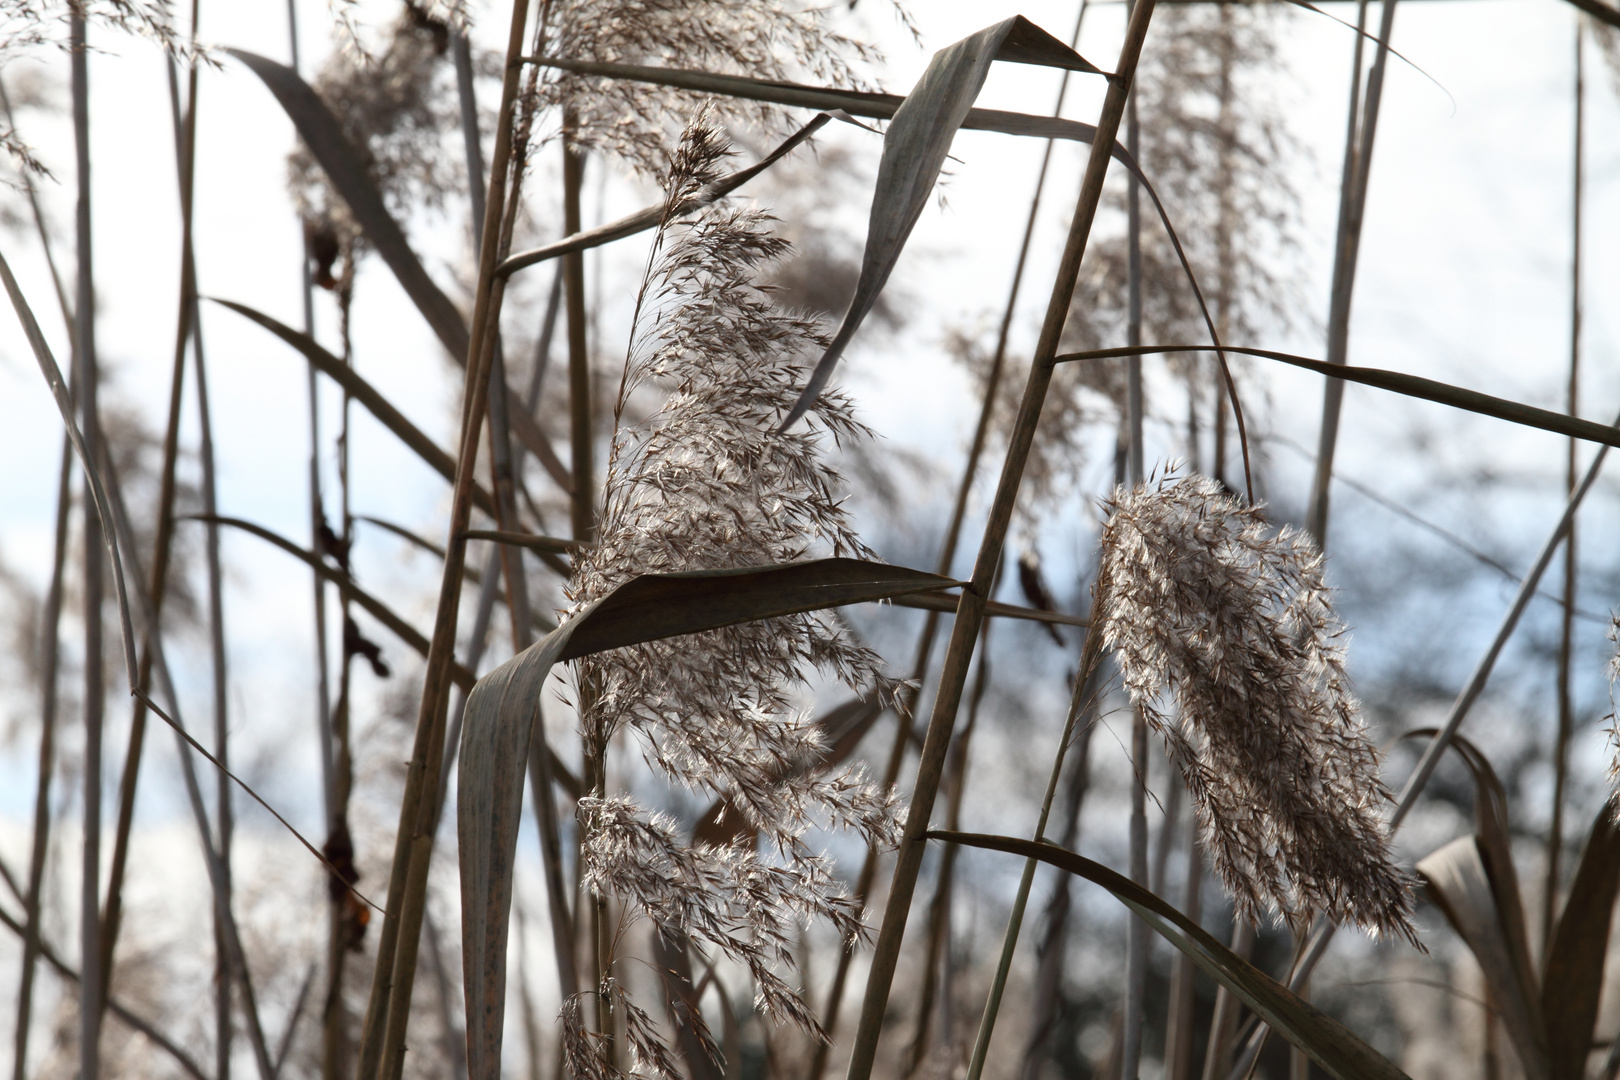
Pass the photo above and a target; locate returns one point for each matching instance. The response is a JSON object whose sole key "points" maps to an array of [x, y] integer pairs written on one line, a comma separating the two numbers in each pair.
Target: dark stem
{"points": [[84, 305], [970, 609], [1347, 246], [382, 1054], [1566, 639], [947, 557]]}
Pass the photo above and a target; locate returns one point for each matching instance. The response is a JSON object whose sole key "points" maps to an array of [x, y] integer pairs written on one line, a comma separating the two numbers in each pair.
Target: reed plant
{"points": [[731, 770]]}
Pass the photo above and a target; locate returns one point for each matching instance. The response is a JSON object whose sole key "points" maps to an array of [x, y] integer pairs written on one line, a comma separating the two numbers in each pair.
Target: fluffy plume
{"points": [[1196, 594], [706, 483], [766, 39], [396, 105]]}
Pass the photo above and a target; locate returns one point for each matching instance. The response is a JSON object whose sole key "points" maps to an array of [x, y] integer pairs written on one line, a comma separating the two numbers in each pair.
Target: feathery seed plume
{"points": [[1196, 594], [706, 483]]}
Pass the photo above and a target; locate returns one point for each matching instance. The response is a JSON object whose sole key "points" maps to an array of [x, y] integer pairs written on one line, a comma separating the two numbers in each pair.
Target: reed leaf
{"points": [[1396, 382], [1337, 1049], [342, 163], [1473, 881], [500, 714], [947, 604], [1572, 983], [1461, 887], [914, 150], [855, 102], [652, 216], [356, 386]]}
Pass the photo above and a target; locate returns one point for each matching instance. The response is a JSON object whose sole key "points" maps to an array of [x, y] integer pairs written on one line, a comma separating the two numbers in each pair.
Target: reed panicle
{"points": [[1197, 595], [706, 483], [767, 39], [396, 104]]}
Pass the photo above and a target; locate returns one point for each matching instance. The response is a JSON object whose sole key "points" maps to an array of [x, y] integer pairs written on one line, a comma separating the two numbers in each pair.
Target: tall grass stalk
{"points": [[317, 506], [1566, 636], [506, 465], [1052, 949], [1347, 247], [580, 410], [1089, 659], [134, 753], [388, 1010], [970, 609], [1136, 933], [50, 644], [936, 985], [90, 985], [905, 716], [50, 662]]}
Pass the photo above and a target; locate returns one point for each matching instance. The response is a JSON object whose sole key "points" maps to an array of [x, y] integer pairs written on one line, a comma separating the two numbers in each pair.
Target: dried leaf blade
{"points": [[1337, 1049], [499, 720], [914, 150]]}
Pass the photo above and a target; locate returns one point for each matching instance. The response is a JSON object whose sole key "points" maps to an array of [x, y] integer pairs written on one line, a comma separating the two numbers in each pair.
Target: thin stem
{"points": [[1137, 941], [1347, 247], [382, 1053], [1089, 659], [1223, 1025], [112, 912], [947, 557], [1047, 998], [50, 664], [935, 982], [223, 816], [1566, 638], [1178, 1028], [90, 986], [317, 515], [970, 609], [582, 504]]}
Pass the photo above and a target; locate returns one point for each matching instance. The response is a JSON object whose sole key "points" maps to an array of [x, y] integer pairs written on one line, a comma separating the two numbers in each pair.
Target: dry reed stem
{"points": [[388, 1009], [1347, 247], [905, 715], [970, 611]]}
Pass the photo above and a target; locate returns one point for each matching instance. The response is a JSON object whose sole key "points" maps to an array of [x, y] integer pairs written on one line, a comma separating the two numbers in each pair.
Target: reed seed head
{"points": [[706, 482], [1198, 596]]}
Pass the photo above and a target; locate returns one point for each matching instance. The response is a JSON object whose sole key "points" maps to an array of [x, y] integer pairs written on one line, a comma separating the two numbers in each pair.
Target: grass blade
{"points": [[642, 220], [1461, 887], [1573, 981], [914, 150], [1397, 382], [500, 719], [342, 164], [1337, 1049], [831, 99], [369, 396]]}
